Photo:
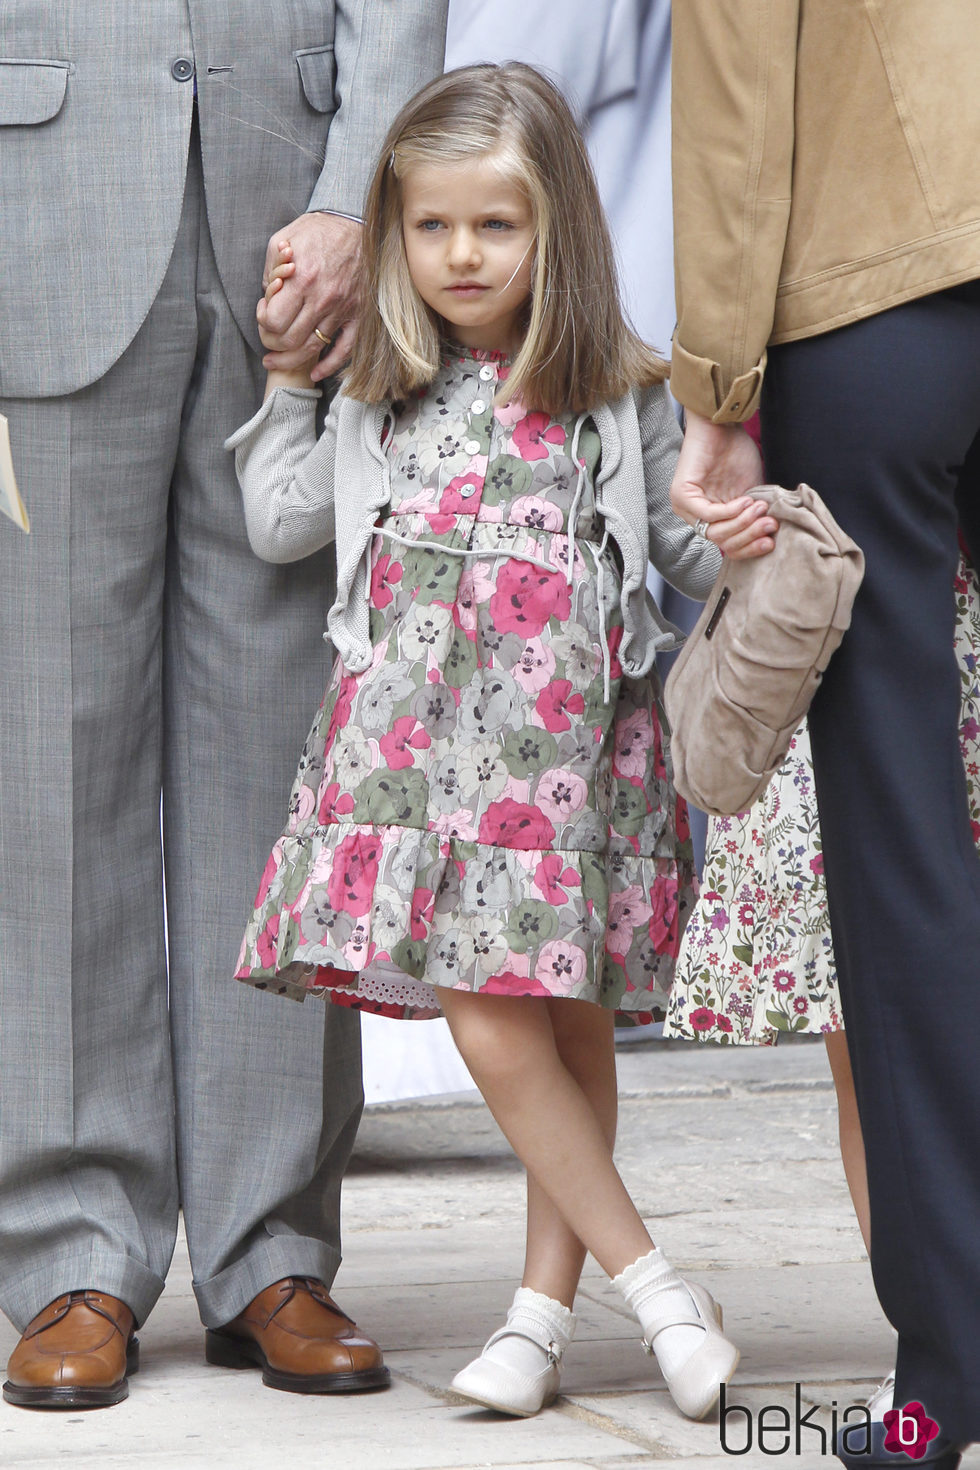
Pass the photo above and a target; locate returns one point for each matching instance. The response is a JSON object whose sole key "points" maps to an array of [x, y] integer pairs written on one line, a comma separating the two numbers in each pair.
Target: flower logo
{"points": [[909, 1430]]}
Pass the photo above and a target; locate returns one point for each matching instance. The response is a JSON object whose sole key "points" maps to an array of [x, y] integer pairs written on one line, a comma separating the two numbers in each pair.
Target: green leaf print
{"points": [[743, 953], [409, 955], [532, 924], [629, 808], [461, 661], [508, 478], [529, 749], [392, 798]]}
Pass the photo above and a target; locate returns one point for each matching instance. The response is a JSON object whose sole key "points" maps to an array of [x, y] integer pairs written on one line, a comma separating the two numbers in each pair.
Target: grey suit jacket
{"points": [[96, 102]]}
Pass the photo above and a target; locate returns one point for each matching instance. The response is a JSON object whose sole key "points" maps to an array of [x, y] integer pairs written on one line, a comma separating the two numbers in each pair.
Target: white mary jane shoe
{"points": [[496, 1384], [696, 1385]]}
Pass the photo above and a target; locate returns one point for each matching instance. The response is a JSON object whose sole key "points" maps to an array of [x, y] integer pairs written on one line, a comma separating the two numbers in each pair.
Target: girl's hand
{"points": [[283, 266]]}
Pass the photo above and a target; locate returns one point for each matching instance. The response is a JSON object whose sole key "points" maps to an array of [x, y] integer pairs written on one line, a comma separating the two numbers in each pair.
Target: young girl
{"points": [[483, 821]]}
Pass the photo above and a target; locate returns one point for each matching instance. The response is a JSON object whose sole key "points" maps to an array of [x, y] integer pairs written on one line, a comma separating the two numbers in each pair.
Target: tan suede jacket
{"points": [[826, 158]]}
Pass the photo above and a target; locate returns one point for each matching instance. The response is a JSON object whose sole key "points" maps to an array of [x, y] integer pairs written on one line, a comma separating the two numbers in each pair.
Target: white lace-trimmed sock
{"points": [[653, 1290], [532, 1308]]}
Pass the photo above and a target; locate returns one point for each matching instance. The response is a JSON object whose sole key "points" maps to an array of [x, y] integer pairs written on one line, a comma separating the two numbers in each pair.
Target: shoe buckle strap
{"points": [[537, 1328]]}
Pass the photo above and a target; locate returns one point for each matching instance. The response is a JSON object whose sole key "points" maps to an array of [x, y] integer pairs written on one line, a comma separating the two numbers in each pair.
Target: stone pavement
{"points": [[732, 1157]]}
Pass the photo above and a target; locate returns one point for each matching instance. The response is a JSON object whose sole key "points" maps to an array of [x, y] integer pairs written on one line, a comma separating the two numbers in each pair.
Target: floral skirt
{"points": [[757, 958], [471, 811]]}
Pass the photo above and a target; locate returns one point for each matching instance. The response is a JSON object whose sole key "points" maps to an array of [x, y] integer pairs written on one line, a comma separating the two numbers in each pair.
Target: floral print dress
{"points": [[473, 811], [757, 958]]}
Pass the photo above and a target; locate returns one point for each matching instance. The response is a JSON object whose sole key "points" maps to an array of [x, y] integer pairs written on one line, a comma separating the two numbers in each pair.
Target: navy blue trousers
{"points": [[883, 418]]}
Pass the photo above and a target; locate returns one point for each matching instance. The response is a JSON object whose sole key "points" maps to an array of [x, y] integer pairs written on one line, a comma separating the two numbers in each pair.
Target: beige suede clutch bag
{"points": [[744, 680]]}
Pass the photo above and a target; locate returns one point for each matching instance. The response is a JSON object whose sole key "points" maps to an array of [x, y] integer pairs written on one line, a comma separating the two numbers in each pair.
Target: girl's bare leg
{"points": [[555, 1256], [509, 1045], [851, 1137]]}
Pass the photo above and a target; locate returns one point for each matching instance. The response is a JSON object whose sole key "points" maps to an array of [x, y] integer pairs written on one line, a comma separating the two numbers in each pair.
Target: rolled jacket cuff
{"points": [[698, 383]]}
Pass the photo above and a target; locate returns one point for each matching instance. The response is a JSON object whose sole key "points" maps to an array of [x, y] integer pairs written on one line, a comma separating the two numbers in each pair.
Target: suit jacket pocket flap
{"points": [[31, 91], [317, 69]]}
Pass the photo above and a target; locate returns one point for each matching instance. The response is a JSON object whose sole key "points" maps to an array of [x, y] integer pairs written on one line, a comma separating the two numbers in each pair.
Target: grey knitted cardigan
{"points": [[301, 492]]}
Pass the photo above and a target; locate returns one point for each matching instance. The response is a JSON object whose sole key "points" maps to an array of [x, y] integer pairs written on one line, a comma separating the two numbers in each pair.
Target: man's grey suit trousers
{"points": [[144, 649]]}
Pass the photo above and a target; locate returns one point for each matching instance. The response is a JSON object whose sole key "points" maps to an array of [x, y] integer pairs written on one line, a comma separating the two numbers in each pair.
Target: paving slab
{"points": [[732, 1156]]}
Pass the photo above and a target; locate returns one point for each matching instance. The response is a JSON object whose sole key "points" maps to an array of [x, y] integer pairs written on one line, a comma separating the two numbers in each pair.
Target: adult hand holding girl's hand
{"points": [[717, 469], [313, 304]]}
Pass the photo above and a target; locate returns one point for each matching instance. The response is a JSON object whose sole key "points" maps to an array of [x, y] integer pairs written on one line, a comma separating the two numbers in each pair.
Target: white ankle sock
{"points": [[653, 1290], [556, 1324]]}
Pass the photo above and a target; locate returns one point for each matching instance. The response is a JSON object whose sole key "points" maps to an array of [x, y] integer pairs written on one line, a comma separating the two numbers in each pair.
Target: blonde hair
{"points": [[578, 349]]}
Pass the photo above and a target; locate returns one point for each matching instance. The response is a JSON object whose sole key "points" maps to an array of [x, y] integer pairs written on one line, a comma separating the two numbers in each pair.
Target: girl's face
{"points": [[469, 240]]}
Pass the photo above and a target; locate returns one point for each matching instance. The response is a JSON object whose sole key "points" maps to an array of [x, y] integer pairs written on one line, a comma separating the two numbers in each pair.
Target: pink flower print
{"points": [[508, 983], [551, 878], [702, 1019], [634, 737], [406, 736], [561, 794], [267, 943], [724, 1023], [423, 908], [560, 966], [663, 924], [385, 573], [816, 864], [354, 871], [464, 608], [508, 823], [343, 704], [535, 667], [534, 433], [614, 639], [556, 704], [540, 515], [484, 583], [527, 597], [627, 911], [305, 802], [454, 503], [455, 824], [783, 980], [333, 805], [438, 523], [359, 951], [268, 874], [510, 413]]}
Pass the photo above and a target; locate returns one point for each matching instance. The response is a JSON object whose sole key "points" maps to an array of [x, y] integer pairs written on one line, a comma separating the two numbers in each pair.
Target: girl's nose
{"points": [[464, 248]]}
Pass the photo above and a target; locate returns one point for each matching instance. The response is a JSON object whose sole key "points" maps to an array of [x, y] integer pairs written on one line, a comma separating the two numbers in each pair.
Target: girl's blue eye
{"points": [[498, 224], [429, 225]]}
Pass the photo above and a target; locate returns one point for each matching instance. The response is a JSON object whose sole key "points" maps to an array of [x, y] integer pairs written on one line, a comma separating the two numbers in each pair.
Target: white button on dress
{"points": [[472, 446]]}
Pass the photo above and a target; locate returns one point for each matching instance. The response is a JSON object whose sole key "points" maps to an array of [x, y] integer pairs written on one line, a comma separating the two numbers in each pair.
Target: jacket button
{"points": [[182, 70]]}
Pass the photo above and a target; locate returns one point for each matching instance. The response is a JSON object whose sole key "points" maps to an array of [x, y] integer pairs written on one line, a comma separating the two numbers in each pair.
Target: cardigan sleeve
{"points": [[683, 558], [733, 93], [286, 475]]}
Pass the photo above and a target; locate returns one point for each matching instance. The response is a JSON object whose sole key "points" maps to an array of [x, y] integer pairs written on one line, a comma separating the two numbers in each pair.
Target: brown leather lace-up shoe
{"points": [[301, 1340], [74, 1355]]}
